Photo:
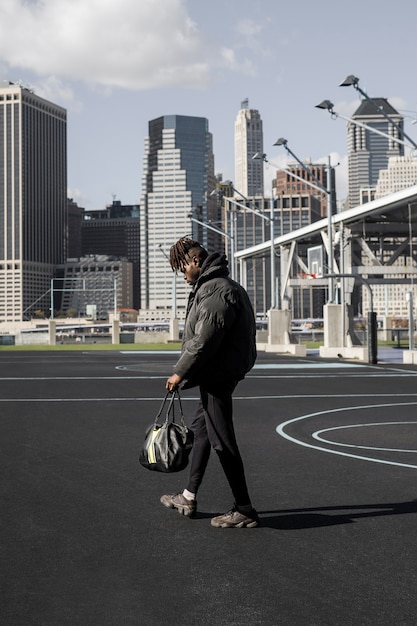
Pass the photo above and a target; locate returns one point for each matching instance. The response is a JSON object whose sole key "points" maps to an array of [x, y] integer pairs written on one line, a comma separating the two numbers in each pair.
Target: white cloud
{"points": [[248, 27], [251, 37], [79, 198], [232, 62], [398, 103], [52, 88], [129, 44]]}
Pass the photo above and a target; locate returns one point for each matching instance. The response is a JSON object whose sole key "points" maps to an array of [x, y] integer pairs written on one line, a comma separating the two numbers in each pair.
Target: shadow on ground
{"points": [[293, 519]]}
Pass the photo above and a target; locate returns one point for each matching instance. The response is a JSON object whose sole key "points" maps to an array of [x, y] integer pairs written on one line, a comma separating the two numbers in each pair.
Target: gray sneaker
{"points": [[236, 519], [181, 503]]}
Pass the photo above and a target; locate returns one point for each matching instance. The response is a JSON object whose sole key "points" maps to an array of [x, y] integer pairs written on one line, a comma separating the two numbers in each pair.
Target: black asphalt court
{"points": [[330, 450]]}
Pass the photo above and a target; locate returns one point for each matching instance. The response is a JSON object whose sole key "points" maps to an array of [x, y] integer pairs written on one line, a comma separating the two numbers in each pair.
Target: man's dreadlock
{"points": [[182, 252]]}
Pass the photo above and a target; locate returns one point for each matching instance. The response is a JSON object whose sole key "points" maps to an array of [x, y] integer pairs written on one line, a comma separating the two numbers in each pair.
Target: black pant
{"points": [[213, 428]]}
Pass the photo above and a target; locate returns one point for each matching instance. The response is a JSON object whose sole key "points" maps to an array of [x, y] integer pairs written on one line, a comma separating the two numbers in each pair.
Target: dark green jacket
{"points": [[219, 342]]}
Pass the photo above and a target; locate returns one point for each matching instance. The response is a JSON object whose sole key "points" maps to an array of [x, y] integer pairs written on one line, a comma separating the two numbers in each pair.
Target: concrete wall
{"points": [[32, 339], [152, 337]]}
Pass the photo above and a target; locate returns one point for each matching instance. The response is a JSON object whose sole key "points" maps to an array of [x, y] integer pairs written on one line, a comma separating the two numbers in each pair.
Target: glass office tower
{"points": [[178, 178], [33, 198]]}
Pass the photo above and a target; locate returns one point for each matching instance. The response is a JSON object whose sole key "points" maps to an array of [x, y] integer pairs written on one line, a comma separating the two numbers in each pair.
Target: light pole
{"points": [[174, 284], [271, 221], [210, 226], [283, 142], [263, 156], [229, 184], [329, 106], [327, 190], [255, 211], [353, 81], [232, 235]]}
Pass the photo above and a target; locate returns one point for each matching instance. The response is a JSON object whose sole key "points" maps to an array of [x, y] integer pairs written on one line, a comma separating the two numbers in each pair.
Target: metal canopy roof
{"points": [[389, 214]]}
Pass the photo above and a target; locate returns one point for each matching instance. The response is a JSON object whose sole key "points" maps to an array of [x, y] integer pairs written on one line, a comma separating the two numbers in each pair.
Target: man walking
{"points": [[219, 348]]}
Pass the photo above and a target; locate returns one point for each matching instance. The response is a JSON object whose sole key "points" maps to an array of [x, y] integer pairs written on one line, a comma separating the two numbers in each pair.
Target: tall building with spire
{"points": [[249, 172], [178, 178], [368, 151], [33, 199]]}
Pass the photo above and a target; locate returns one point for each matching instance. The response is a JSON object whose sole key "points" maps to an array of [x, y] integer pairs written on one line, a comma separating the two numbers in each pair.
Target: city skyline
{"points": [[203, 60]]}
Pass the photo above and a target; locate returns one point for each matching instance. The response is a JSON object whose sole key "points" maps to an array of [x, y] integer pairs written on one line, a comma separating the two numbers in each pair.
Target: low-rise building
{"points": [[96, 283]]}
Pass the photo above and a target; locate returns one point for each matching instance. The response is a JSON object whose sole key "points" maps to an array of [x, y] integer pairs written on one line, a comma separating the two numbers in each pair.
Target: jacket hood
{"points": [[215, 265]]}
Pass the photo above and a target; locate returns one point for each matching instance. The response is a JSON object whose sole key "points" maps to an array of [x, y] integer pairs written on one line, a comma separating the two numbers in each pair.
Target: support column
{"points": [[52, 332], [279, 326], [410, 355], [115, 331], [174, 332], [279, 329], [335, 344]]}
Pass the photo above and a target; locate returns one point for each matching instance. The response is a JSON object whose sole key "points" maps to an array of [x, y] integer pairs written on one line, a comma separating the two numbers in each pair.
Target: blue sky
{"points": [[116, 65]]}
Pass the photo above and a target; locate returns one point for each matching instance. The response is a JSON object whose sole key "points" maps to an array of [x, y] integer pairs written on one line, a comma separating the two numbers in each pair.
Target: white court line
{"points": [[15, 378], [104, 399], [145, 352], [388, 374], [235, 398], [403, 374], [281, 431], [317, 435], [305, 366]]}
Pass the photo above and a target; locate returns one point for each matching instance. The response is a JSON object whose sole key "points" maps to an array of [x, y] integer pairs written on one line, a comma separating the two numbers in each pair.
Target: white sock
{"points": [[187, 494]]}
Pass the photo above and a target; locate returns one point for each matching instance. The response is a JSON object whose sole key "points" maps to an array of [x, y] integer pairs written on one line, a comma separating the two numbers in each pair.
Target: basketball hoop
{"points": [[309, 276]]}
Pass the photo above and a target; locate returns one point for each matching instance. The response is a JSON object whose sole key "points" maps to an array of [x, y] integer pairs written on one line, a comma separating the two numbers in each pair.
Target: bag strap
{"points": [[180, 406], [171, 407], [161, 407]]}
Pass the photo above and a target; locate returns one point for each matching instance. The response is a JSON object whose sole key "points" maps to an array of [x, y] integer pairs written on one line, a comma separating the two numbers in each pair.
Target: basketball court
{"points": [[330, 450]]}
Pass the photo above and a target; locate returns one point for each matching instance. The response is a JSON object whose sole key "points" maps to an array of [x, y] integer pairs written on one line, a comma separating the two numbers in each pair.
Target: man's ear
{"points": [[196, 261]]}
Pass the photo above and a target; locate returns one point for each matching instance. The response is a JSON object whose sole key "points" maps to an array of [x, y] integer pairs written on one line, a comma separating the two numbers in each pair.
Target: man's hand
{"points": [[173, 382]]}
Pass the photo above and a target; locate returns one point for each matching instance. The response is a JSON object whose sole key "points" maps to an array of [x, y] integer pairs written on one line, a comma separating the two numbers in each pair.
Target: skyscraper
{"points": [[33, 199], [249, 172], [178, 178], [368, 152]]}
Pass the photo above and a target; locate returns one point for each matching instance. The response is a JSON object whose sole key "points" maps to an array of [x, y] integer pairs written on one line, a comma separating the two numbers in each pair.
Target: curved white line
{"points": [[317, 436], [280, 430]]}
